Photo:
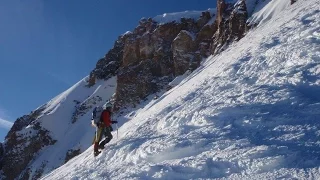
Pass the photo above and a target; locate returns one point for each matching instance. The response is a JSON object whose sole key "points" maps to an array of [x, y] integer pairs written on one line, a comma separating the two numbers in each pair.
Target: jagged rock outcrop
{"points": [[204, 37], [107, 66], [231, 24], [153, 54], [154, 50], [238, 19], [23, 144], [184, 55]]}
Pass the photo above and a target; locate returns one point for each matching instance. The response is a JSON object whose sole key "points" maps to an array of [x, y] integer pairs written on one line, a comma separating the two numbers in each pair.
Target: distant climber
{"points": [[101, 119]]}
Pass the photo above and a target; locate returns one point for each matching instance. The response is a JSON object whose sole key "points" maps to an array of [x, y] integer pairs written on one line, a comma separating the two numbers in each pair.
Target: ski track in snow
{"points": [[251, 112]]}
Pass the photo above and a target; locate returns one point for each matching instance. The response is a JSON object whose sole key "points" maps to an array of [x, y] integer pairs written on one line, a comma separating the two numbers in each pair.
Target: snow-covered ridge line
{"points": [[176, 17]]}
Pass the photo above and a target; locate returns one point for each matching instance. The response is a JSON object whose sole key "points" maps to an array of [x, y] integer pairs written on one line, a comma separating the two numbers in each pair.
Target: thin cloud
{"points": [[5, 124]]}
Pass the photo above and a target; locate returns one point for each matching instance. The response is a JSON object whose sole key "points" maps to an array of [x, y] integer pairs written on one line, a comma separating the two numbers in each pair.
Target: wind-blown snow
{"points": [[251, 112], [265, 10], [176, 17]]}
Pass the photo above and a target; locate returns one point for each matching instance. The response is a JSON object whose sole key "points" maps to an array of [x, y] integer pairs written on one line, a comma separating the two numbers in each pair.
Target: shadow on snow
{"points": [[291, 126]]}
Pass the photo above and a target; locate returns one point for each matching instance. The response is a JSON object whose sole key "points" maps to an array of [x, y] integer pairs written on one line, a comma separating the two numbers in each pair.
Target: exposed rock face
{"points": [[238, 19], [22, 146], [1, 150], [92, 79], [157, 53], [131, 51], [107, 66], [204, 37], [71, 153], [153, 51], [184, 47], [136, 81], [231, 24]]}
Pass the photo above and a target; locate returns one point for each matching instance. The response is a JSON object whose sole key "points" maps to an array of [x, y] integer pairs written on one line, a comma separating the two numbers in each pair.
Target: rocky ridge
{"points": [[22, 145], [154, 53]]}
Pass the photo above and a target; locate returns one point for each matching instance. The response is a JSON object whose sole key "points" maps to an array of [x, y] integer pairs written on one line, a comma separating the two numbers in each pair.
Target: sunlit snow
{"points": [[251, 112]]}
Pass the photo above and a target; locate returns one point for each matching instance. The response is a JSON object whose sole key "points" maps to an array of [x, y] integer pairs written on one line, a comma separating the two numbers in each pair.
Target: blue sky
{"points": [[47, 46]]}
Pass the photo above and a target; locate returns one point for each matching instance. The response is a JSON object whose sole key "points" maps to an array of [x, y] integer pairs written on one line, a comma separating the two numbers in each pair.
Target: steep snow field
{"points": [[251, 112], [265, 10], [57, 117]]}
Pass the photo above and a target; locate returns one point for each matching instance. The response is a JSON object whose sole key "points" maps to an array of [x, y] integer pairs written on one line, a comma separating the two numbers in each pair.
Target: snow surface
{"points": [[251, 112], [176, 17], [265, 10], [56, 117]]}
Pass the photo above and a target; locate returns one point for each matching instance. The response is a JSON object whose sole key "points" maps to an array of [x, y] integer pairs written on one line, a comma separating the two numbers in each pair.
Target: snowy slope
{"points": [[57, 117], [251, 112], [265, 10]]}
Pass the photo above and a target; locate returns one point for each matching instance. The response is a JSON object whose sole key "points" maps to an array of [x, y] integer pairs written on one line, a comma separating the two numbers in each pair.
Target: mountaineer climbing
{"points": [[101, 119]]}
